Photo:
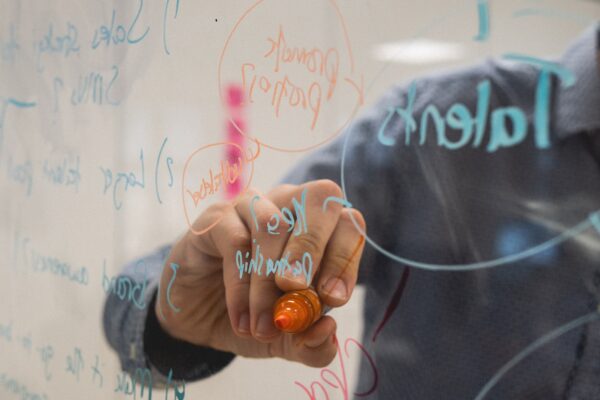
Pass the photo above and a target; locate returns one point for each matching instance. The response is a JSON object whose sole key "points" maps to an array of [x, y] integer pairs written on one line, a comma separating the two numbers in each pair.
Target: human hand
{"points": [[213, 301]]}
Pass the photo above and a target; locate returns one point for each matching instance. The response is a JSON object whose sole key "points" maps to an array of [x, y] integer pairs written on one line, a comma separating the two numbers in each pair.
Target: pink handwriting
{"points": [[336, 381]]}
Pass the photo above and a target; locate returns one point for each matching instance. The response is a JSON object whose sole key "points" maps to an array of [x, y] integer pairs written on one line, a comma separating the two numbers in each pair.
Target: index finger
{"points": [[313, 228]]}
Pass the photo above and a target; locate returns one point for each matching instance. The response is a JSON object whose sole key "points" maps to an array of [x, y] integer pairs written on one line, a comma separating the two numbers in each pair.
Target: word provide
{"points": [[12, 385], [340, 382], [323, 64], [280, 266], [287, 215], [125, 287], [459, 118]]}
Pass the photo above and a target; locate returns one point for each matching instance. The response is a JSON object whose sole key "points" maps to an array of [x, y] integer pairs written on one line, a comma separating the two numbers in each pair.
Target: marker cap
{"points": [[296, 311]]}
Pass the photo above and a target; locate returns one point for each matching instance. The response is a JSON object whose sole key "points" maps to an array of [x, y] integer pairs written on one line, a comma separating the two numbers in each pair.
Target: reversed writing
{"points": [[340, 382], [291, 219], [64, 173], [254, 265], [95, 88], [121, 182], [508, 124], [6, 332], [16, 387], [20, 173], [9, 46], [127, 288], [483, 12], [142, 379], [46, 353], [62, 44], [75, 363], [116, 33], [215, 182], [39, 262]]}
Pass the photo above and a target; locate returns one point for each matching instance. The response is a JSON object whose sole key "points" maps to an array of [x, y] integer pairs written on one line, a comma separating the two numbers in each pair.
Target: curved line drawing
{"points": [[564, 236], [550, 336]]}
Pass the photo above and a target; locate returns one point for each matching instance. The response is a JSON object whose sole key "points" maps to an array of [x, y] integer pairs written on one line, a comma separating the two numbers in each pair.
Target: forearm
{"points": [[132, 329]]}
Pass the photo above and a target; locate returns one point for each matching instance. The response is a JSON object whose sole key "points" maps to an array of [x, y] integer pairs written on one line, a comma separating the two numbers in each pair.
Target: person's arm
{"points": [[134, 333], [192, 356]]}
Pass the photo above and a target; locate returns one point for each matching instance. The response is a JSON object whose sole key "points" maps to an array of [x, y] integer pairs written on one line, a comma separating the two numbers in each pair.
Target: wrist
{"points": [[186, 360]]}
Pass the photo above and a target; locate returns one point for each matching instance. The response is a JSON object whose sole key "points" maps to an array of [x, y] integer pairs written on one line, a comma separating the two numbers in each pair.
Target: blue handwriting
{"points": [[483, 11], [46, 354], [6, 332], [12, 385], [167, 2], [40, 263], [95, 88], [169, 162], [64, 174], [125, 287], [61, 45], [75, 363], [286, 215], [128, 385], [9, 47], [21, 174], [278, 266], [4, 104], [129, 179], [96, 372], [459, 118], [114, 35]]}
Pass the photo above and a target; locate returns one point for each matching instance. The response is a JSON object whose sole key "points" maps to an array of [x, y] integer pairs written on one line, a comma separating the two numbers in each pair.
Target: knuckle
{"points": [[320, 358], [251, 192], [239, 238], [283, 188], [352, 214], [263, 218], [338, 263], [307, 242], [327, 187], [246, 197], [212, 213]]}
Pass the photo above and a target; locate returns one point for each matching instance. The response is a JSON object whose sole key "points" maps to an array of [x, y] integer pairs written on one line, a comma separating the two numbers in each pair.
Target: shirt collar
{"points": [[578, 106]]}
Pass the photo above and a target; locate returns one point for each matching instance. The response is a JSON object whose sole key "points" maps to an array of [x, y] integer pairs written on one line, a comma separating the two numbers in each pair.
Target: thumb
{"points": [[315, 347]]}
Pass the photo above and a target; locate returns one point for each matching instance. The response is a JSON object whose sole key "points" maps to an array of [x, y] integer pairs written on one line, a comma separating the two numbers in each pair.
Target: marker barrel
{"points": [[296, 311]]}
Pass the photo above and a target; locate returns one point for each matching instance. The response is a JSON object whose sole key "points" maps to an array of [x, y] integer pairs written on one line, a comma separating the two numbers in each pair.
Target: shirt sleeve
{"points": [[133, 331]]}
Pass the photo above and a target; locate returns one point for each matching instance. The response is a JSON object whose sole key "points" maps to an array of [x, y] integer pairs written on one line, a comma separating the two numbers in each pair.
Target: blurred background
{"points": [[103, 104]]}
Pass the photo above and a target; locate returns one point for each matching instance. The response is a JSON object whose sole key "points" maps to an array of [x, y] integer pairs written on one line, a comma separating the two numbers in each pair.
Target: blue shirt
{"points": [[481, 192]]}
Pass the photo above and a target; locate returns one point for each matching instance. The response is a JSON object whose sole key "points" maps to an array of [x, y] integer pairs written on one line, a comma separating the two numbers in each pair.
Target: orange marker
{"points": [[295, 311]]}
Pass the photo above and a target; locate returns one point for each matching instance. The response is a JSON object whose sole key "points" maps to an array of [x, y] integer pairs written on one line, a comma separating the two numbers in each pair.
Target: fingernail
{"points": [[297, 279], [336, 288], [316, 342], [244, 323], [265, 327]]}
